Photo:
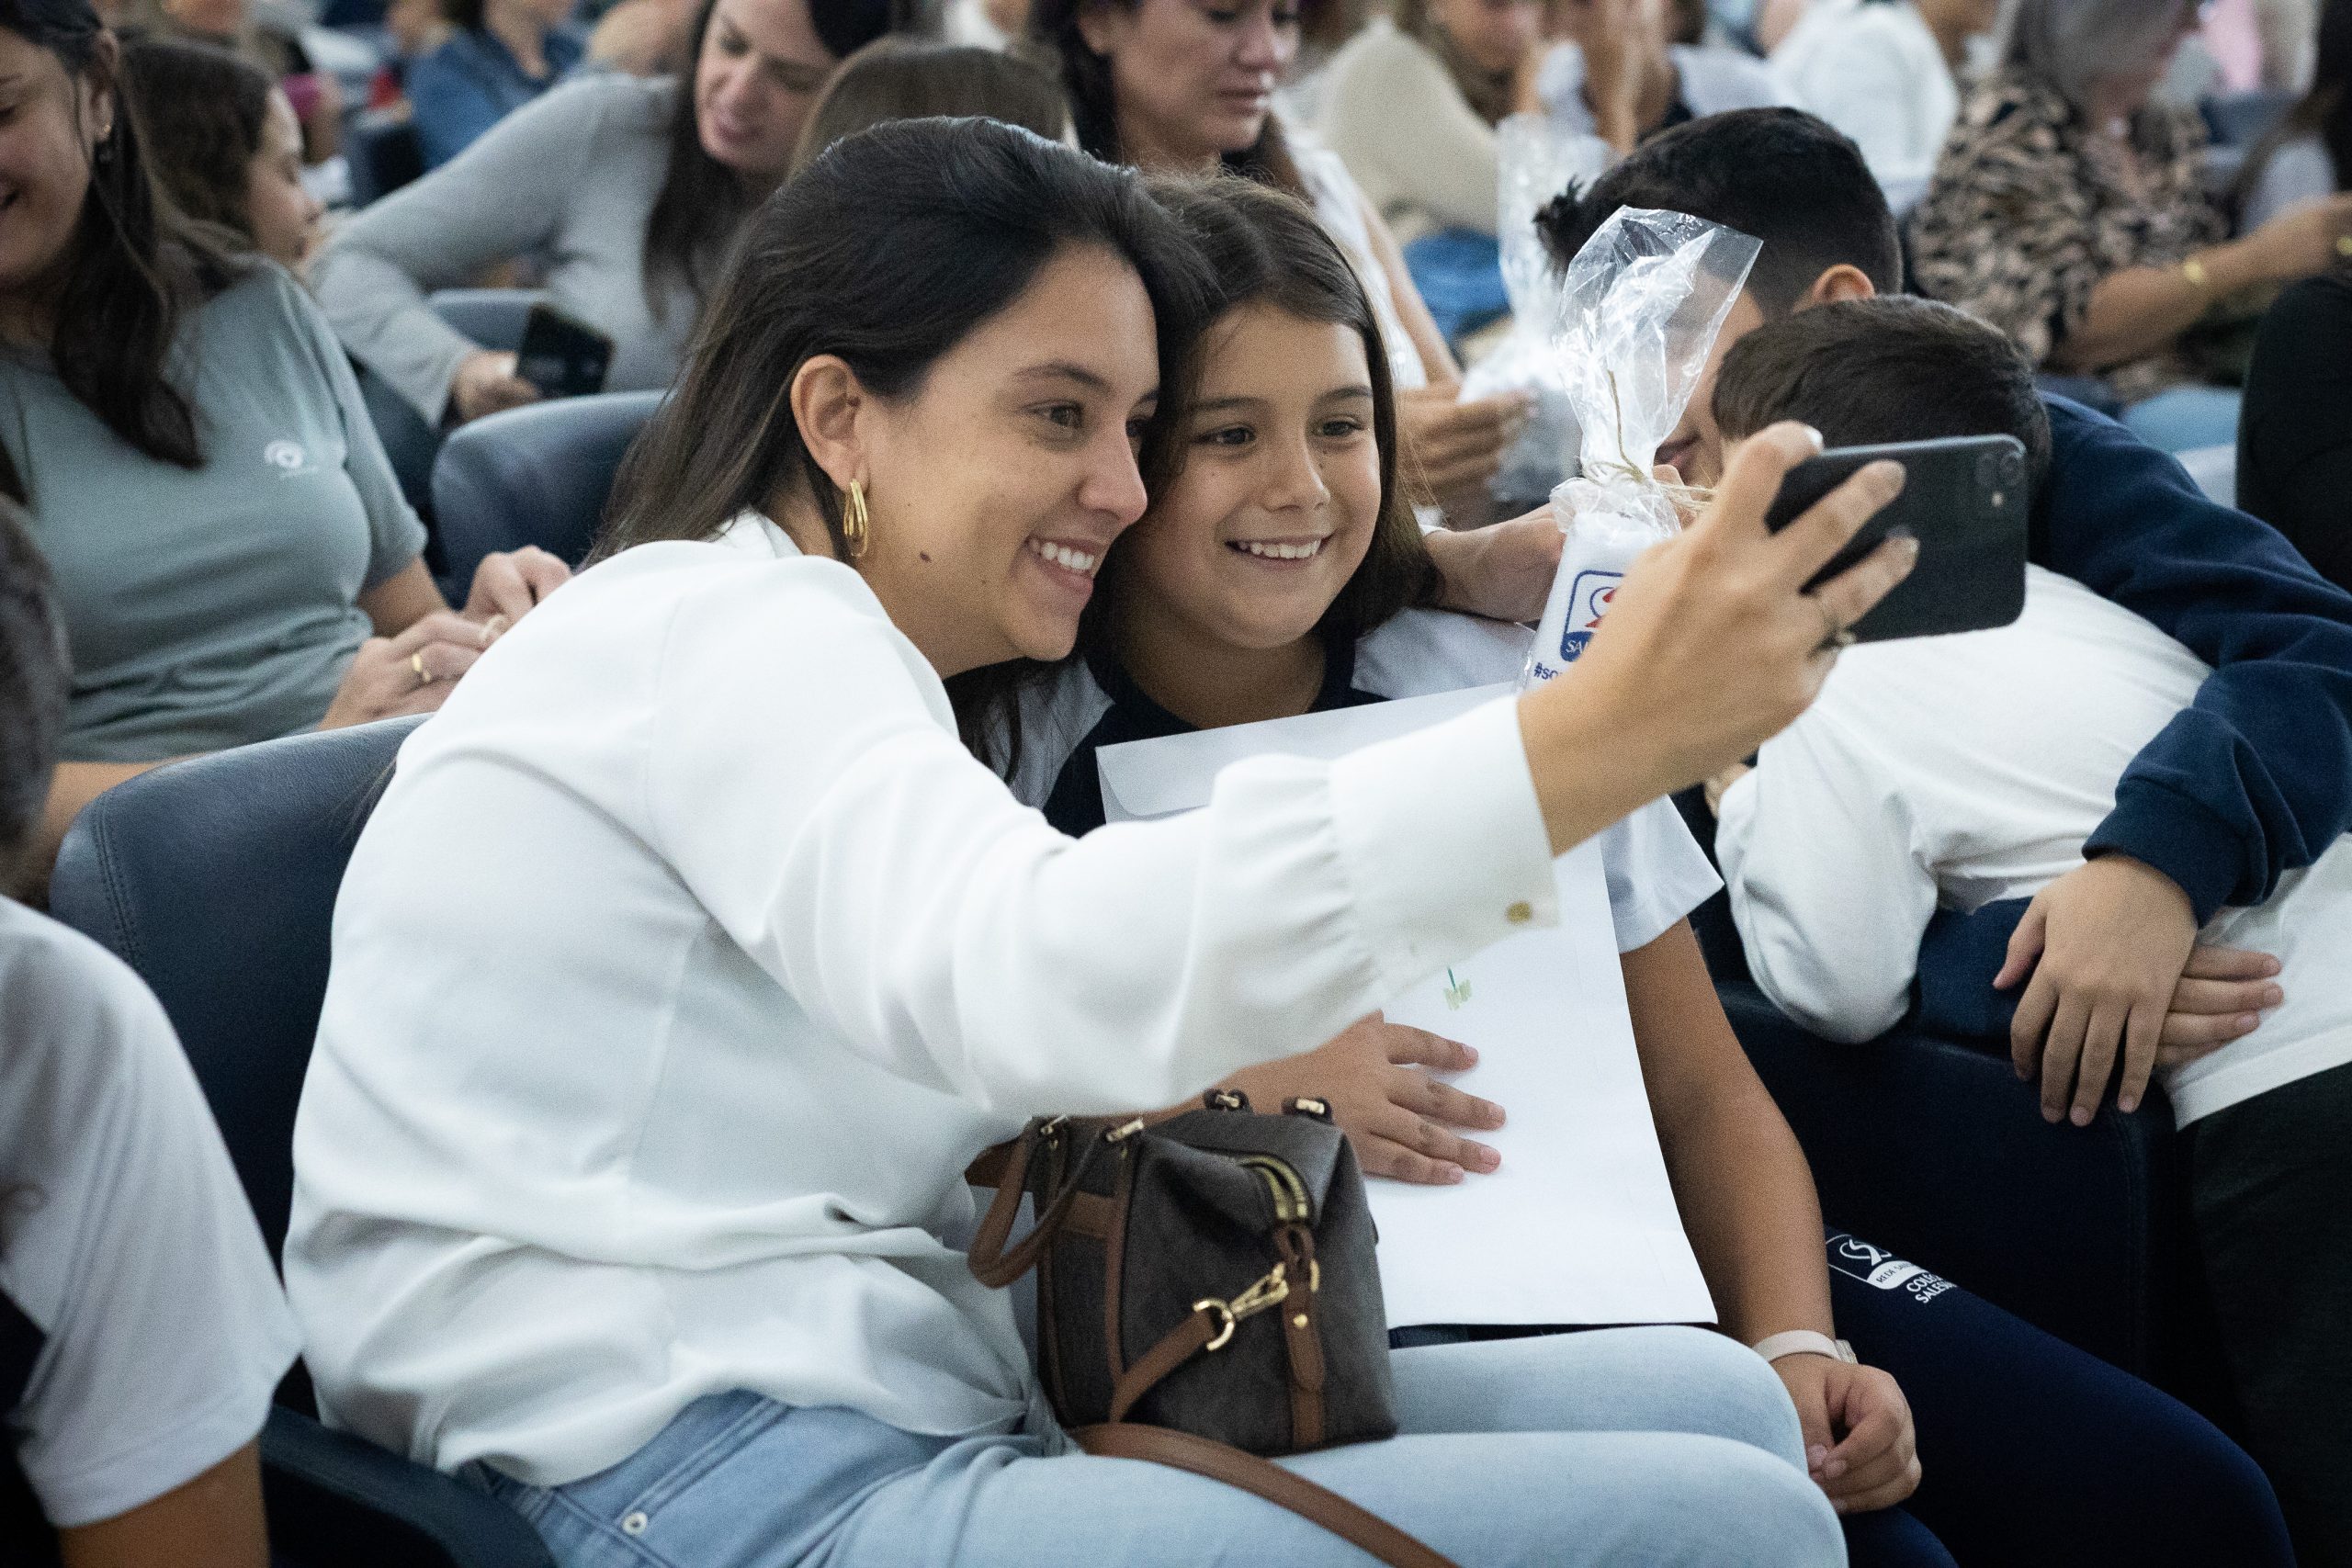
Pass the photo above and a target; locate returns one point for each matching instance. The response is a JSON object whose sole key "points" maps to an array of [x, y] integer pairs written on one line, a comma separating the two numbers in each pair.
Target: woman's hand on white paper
{"points": [[1377, 1078], [1860, 1445]]}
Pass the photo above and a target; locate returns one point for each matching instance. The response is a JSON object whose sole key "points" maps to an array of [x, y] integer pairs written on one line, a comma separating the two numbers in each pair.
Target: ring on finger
{"points": [[416, 665], [494, 627]]}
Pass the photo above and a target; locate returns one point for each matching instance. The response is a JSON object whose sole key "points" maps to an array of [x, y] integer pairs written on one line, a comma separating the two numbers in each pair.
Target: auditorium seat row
{"points": [[1928, 1146]]}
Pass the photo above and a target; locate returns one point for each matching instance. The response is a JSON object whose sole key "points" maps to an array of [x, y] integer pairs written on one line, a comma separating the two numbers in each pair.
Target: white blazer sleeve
{"points": [[1827, 888], [802, 783]]}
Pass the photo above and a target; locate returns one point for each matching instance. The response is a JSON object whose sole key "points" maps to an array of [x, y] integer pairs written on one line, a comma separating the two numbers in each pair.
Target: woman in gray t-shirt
{"points": [[233, 557], [627, 192]]}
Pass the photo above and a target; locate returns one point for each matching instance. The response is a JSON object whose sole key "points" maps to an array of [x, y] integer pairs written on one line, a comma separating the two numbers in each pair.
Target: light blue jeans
{"points": [[1634, 1445], [2182, 418]]}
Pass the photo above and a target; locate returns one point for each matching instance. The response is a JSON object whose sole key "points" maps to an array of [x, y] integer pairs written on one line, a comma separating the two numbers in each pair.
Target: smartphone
{"points": [[1965, 499], [561, 356]]}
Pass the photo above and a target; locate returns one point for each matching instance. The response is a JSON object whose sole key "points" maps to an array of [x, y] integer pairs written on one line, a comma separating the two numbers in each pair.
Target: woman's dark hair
{"points": [[1054, 41], [204, 109], [1870, 372], [132, 267], [2325, 111], [901, 78], [888, 251], [1261, 247], [465, 14], [702, 201], [32, 689]]}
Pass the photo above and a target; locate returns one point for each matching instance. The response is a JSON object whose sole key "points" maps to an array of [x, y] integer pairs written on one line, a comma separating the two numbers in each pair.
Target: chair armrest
{"points": [[337, 1501]]}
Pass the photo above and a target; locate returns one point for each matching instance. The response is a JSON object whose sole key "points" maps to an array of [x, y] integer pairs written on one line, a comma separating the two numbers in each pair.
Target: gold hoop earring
{"points": [[856, 526]]}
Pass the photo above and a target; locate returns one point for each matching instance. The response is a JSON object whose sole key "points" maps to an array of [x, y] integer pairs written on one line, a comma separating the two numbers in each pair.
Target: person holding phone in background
{"points": [[634, 188]]}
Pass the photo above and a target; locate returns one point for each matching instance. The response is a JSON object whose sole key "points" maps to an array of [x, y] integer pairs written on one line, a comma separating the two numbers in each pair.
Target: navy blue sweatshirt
{"points": [[2253, 780]]}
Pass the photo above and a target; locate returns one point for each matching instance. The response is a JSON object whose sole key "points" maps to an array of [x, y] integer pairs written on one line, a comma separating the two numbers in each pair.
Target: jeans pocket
{"points": [[722, 1426]]}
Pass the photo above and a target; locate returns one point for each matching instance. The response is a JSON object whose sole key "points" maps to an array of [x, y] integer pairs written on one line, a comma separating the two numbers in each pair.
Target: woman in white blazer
{"points": [[628, 1171]]}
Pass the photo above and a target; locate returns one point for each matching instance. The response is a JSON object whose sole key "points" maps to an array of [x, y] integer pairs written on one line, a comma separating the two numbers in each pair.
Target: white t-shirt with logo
{"points": [[124, 1238], [1955, 772]]}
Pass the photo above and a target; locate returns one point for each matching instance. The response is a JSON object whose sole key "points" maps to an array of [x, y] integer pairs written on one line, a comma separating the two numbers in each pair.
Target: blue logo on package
{"points": [[1588, 598]]}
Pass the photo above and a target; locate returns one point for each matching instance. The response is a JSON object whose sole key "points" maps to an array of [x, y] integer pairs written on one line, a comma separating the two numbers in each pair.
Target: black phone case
{"points": [[1965, 500], [561, 356]]}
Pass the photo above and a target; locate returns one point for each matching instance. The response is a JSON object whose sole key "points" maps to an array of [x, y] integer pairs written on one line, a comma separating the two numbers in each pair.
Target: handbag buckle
{"points": [[1269, 1292]]}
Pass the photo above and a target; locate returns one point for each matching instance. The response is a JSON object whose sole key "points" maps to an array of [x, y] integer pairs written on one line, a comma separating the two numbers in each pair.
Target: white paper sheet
{"points": [[1578, 1225]]}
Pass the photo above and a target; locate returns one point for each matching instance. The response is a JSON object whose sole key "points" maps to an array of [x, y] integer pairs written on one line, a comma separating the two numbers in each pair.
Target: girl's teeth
{"points": [[1281, 552], [1066, 558]]}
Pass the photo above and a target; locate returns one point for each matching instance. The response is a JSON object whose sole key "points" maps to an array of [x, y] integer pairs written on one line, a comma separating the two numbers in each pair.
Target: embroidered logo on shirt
{"points": [[288, 457]]}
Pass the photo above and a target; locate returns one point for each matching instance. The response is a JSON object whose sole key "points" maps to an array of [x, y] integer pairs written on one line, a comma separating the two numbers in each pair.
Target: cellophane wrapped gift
{"points": [[1537, 161], [1640, 306]]}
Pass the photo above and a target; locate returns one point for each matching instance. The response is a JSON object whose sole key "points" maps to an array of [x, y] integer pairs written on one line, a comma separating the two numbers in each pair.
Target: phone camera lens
{"points": [[2012, 467]]}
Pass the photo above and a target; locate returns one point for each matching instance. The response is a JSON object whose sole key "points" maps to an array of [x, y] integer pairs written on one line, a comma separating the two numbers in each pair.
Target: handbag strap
{"points": [[992, 1264], [1284, 1488]]}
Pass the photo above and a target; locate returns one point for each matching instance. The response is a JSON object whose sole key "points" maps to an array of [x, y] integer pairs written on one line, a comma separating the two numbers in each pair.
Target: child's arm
{"points": [[1749, 1206]]}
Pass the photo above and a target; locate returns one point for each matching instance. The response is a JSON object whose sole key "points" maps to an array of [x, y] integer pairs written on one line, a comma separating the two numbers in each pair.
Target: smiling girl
{"points": [[1278, 573]]}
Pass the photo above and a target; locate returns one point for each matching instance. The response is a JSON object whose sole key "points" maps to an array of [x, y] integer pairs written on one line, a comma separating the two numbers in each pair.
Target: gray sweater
{"points": [[570, 178]]}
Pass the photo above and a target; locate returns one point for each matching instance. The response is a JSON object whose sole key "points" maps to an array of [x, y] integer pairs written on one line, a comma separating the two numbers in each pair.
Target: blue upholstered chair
{"points": [[215, 879], [383, 152], [537, 474], [493, 317]]}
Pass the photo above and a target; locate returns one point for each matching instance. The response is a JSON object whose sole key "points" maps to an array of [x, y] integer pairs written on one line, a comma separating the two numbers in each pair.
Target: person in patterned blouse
{"points": [[2072, 212]]}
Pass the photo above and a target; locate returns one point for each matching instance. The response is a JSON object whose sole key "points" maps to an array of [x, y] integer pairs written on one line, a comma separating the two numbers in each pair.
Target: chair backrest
{"points": [[537, 474], [215, 879], [409, 442], [384, 155], [491, 317]]}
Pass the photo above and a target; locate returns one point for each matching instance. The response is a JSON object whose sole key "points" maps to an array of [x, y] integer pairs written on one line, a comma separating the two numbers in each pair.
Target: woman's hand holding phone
{"points": [[1711, 645]]}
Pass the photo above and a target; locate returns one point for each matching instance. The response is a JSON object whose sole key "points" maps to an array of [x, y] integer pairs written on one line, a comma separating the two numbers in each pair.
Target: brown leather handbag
{"points": [[1208, 1293]]}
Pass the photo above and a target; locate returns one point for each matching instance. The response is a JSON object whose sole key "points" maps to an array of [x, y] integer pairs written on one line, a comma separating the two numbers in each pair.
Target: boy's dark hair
{"points": [[1780, 175], [32, 689], [1865, 372]]}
